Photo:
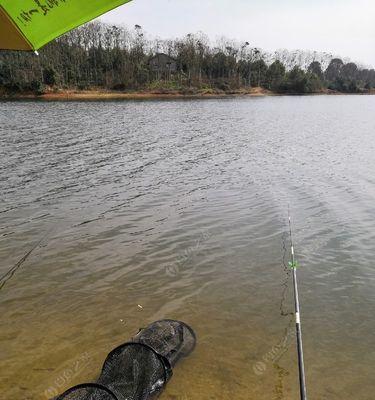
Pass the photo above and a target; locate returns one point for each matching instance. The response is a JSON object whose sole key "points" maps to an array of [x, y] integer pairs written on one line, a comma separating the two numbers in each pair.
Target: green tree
{"points": [[349, 71], [316, 68], [49, 76], [258, 74], [333, 70], [275, 75], [299, 81]]}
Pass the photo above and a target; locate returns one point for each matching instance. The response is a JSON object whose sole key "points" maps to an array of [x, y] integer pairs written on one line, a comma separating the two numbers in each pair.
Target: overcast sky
{"points": [[341, 27]]}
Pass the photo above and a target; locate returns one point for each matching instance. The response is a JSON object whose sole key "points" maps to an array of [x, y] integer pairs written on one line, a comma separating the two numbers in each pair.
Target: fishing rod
{"points": [[301, 366]]}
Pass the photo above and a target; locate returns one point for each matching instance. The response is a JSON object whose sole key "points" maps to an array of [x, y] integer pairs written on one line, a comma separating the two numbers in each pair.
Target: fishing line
{"points": [[10, 273], [285, 285]]}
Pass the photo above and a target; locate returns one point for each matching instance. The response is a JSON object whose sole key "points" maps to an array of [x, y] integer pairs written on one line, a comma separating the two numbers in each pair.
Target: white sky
{"points": [[341, 27]]}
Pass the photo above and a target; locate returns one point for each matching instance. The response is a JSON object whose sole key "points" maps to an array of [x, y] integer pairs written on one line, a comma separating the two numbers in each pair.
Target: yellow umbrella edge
{"points": [[11, 38]]}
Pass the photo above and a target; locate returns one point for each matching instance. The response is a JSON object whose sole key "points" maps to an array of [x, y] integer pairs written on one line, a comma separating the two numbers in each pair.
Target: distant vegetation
{"points": [[109, 57]]}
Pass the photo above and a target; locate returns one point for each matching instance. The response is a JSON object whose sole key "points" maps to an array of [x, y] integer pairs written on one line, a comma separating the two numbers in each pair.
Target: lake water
{"points": [[180, 207]]}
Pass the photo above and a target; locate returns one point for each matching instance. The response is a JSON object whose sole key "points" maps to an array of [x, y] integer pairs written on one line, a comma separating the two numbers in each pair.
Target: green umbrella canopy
{"points": [[30, 24]]}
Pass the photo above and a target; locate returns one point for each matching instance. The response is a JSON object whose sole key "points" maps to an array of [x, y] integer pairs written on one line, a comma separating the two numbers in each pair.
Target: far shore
{"points": [[98, 94]]}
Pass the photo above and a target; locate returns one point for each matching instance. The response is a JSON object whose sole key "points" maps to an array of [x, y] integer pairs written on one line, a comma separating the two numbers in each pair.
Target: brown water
{"points": [[180, 207]]}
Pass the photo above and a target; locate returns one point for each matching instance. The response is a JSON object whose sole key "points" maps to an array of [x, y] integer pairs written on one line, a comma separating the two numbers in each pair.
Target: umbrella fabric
{"points": [[30, 24]]}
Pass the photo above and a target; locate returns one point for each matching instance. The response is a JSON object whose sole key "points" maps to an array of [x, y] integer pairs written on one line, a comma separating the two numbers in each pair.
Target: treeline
{"points": [[115, 58]]}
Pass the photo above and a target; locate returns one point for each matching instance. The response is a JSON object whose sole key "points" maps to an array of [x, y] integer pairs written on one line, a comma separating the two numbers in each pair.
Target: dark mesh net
{"points": [[171, 339], [140, 369], [88, 391]]}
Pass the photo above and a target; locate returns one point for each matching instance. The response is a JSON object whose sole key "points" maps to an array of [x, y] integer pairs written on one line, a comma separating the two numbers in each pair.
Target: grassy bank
{"points": [[101, 94], [97, 94]]}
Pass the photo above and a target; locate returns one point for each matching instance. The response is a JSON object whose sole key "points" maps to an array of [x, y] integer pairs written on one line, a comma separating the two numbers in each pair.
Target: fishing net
{"points": [[139, 369]]}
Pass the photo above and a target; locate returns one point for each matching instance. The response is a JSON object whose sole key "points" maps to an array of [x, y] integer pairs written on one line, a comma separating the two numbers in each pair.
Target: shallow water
{"points": [[180, 207]]}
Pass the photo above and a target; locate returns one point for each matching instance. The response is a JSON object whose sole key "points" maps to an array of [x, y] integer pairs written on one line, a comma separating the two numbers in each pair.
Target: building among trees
{"points": [[162, 64]]}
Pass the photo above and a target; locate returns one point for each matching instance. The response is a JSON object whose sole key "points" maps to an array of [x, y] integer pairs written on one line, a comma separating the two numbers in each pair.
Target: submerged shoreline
{"points": [[97, 94]]}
